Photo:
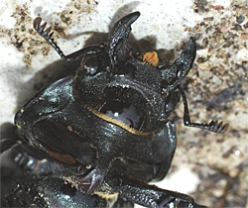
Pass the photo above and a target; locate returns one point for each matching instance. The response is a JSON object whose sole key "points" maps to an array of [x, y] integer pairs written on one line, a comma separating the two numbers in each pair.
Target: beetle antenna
{"points": [[213, 126], [48, 36]]}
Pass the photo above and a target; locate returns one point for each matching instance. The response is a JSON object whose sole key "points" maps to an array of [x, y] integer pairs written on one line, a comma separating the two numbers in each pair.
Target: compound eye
{"points": [[90, 65], [124, 112]]}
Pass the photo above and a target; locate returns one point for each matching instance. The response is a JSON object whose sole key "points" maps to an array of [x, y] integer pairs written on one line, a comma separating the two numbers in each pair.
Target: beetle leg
{"points": [[150, 195], [47, 35]]}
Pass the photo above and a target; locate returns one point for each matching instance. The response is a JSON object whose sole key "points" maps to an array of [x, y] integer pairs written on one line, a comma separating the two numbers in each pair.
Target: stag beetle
{"points": [[97, 137]]}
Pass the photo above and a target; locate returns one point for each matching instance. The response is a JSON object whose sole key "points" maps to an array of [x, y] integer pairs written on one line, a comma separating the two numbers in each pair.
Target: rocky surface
{"points": [[213, 168]]}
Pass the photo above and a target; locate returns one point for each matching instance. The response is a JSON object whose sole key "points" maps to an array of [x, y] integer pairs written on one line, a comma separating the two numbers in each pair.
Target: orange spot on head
{"points": [[151, 58]]}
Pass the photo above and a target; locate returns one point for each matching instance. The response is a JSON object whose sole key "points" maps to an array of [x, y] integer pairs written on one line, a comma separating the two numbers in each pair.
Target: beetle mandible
{"points": [[105, 129]]}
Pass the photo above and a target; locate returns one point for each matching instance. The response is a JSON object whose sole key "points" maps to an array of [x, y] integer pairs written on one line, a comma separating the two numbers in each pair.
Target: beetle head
{"points": [[116, 83]]}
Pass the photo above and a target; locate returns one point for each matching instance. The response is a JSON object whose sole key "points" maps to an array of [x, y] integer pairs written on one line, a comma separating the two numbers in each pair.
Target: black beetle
{"points": [[104, 131]]}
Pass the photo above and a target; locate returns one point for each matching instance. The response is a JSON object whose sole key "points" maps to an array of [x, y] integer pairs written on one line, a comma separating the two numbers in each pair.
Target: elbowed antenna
{"points": [[214, 126], [47, 35]]}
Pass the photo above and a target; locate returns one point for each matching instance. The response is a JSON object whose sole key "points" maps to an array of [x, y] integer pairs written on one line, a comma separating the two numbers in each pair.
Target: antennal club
{"points": [[213, 126], [48, 36]]}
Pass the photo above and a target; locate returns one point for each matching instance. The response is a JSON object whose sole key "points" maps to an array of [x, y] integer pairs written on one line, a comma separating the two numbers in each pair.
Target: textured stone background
{"points": [[210, 167]]}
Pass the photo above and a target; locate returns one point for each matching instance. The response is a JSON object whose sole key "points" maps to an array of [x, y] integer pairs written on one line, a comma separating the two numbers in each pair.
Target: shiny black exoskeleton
{"points": [[105, 130]]}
